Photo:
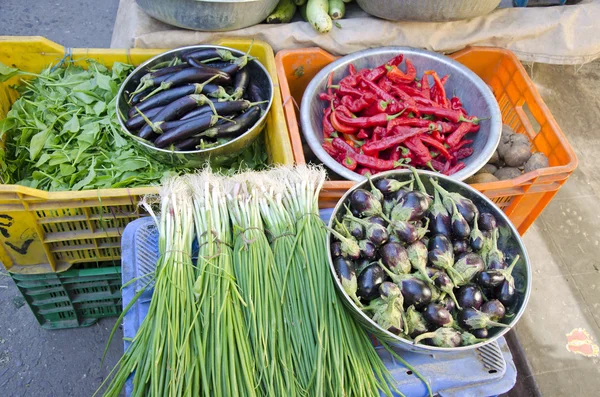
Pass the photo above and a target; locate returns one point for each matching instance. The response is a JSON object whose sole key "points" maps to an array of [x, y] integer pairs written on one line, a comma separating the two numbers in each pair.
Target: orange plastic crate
{"points": [[522, 198]]}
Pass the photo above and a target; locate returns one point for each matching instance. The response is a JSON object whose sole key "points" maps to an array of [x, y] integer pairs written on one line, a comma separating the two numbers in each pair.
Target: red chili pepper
{"points": [[463, 143], [440, 90], [454, 139], [445, 79], [444, 127], [352, 69], [354, 80], [375, 163], [395, 155], [463, 153], [437, 165], [410, 103], [379, 132], [350, 163], [340, 126], [354, 105], [376, 107], [474, 127], [353, 141], [409, 122], [392, 141], [436, 145], [380, 119], [329, 82], [412, 91], [398, 76], [425, 87], [425, 102], [378, 91], [328, 147], [365, 171], [381, 70], [362, 134], [344, 89], [327, 127], [449, 114], [385, 84], [459, 166], [435, 134], [326, 97], [419, 150]]}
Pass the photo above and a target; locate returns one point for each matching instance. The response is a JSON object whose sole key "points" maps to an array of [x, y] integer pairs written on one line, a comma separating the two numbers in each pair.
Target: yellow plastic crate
{"points": [[43, 232]]}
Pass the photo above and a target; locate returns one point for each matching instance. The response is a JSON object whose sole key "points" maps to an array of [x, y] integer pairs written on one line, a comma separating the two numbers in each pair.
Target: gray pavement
{"points": [[563, 243]]}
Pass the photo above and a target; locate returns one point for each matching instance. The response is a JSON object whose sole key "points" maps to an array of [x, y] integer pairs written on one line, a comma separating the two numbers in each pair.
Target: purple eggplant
{"points": [[465, 207], [459, 225], [416, 293], [487, 222], [495, 309], [374, 232], [222, 109], [395, 258], [336, 249], [387, 186], [441, 254], [476, 238], [374, 191], [468, 339], [469, 297], [236, 127], [489, 279], [448, 304], [404, 230], [137, 122], [412, 207], [445, 284], [437, 315], [506, 293], [347, 276], [388, 308], [417, 254], [480, 333], [191, 128], [494, 258], [415, 323], [440, 222], [460, 247], [474, 319], [349, 247], [466, 268], [367, 249], [376, 219], [441, 337], [365, 203], [207, 54], [369, 281], [242, 78], [362, 264]]}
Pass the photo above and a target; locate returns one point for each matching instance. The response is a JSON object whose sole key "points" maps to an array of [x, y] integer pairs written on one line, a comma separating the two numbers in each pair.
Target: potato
{"points": [[505, 138], [482, 178], [488, 168], [507, 173], [536, 161], [495, 159], [518, 154]]}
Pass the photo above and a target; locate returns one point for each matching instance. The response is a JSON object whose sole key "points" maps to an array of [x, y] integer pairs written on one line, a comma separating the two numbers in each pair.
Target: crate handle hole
{"points": [[409, 372], [531, 125]]}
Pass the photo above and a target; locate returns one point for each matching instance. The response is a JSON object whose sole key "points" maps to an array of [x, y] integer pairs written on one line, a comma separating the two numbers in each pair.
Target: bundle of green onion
{"points": [[256, 314]]}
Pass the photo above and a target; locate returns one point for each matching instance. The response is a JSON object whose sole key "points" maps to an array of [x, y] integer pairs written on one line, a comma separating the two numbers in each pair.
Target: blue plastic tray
{"points": [[486, 371]]}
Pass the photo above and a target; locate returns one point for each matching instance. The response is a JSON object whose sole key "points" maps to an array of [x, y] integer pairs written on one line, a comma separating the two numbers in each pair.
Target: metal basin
{"points": [[209, 15], [427, 10], [476, 96], [509, 242], [196, 158]]}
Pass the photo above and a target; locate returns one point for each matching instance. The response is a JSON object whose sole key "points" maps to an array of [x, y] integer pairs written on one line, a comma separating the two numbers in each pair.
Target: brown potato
{"points": [[518, 154], [507, 173], [505, 139], [495, 159], [482, 178], [536, 161]]}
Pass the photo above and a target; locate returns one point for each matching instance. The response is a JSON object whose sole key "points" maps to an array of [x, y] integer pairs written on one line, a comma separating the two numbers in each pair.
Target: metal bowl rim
{"points": [[402, 341], [312, 89], [138, 69]]}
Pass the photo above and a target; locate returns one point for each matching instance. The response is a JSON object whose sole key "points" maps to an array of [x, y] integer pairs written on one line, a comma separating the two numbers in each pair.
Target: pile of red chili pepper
{"points": [[382, 118]]}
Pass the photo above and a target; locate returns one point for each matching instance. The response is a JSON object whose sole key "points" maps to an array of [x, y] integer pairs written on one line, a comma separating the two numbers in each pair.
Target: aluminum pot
{"points": [[209, 15], [196, 158], [509, 242], [427, 10], [476, 96]]}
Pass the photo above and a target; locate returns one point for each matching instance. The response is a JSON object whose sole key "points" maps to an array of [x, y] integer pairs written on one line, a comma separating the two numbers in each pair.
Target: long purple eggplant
{"points": [[192, 127], [222, 109], [242, 78], [238, 126], [137, 122], [209, 53], [174, 111]]}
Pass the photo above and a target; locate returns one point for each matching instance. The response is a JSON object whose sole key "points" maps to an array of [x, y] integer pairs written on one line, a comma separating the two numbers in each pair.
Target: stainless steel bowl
{"points": [[196, 158], [509, 242], [209, 15], [476, 96], [427, 10]]}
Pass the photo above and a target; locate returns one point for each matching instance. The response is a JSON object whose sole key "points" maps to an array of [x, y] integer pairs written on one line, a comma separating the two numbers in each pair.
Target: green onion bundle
{"points": [[257, 313]]}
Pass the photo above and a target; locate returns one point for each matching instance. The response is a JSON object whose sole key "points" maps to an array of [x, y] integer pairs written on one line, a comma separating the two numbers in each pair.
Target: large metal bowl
{"points": [[427, 10], [476, 96], [209, 15], [196, 158], [509, 242]]}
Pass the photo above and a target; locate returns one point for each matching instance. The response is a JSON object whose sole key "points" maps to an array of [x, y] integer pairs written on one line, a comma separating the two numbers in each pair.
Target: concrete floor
{"points": [[564, 243]]}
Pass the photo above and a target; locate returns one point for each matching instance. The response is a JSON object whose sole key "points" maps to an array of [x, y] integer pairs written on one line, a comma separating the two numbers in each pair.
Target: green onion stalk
{"points": [[347, 363], [224, 357], [258, 279]]}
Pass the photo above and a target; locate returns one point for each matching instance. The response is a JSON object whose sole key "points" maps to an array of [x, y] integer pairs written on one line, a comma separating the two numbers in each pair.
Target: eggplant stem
{"points": [[426, 335], [418, 179], [162, 87], [146, 119], [211, 60]]}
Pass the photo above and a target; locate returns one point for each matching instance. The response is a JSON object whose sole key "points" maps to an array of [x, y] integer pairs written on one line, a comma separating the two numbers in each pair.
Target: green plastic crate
{"points": [[72, 299]]}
